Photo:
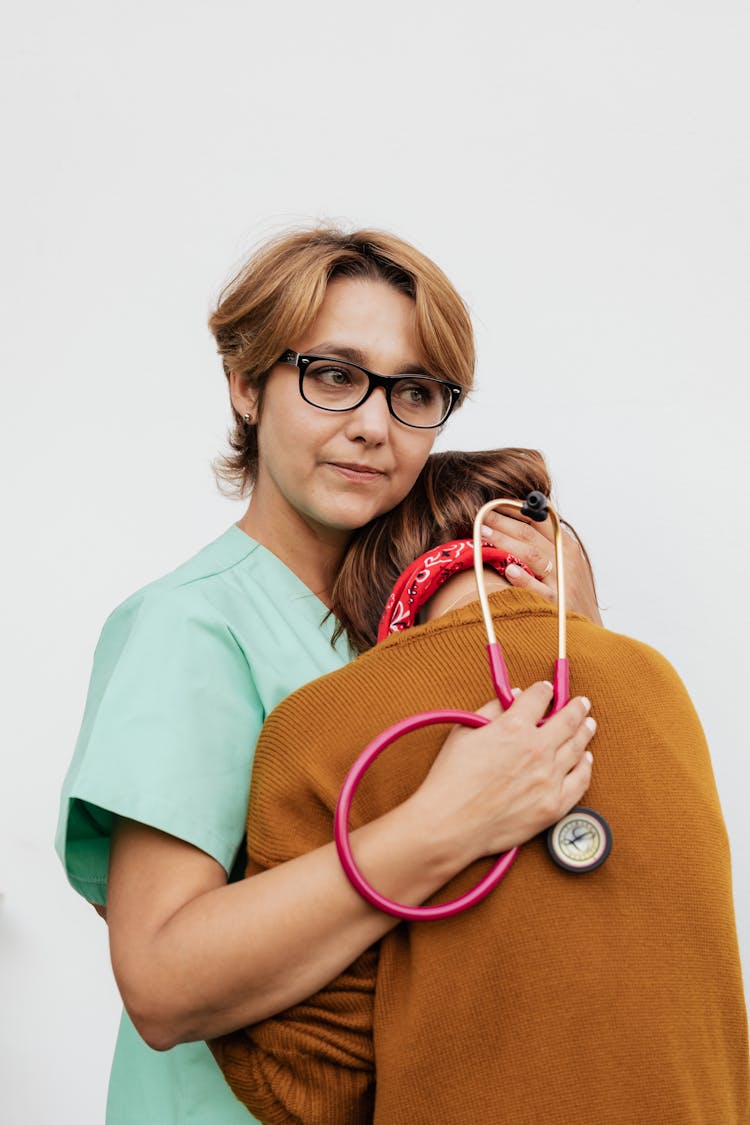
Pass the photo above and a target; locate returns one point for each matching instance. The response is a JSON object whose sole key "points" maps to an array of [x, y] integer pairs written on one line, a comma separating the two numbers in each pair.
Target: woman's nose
{"points": [[371, 421]]}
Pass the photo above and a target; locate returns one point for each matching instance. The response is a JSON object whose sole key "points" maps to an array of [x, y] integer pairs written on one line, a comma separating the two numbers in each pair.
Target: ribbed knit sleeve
{"points": [[313, 1064]]}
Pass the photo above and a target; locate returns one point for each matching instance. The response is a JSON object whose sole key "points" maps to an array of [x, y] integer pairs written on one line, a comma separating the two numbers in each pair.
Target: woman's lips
{"points": [[360, 473]]}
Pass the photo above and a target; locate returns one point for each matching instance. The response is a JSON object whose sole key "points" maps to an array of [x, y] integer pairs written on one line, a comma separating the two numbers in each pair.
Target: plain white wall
{"points": [[580, 170]]}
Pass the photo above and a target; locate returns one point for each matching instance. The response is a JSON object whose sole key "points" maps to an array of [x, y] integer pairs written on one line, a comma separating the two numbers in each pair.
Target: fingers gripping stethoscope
{"points": [[580, 841]]}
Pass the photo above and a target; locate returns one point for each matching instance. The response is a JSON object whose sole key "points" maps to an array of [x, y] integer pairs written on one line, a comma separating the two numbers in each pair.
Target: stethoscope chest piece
{"points": [[580, 841]]}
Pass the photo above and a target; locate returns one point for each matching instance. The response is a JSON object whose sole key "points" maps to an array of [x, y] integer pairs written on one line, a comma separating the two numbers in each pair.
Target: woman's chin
{"points": [[347, 519]]}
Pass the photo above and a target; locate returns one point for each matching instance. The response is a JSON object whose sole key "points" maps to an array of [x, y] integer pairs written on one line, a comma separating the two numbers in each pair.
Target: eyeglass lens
{"points": [[341, 386]]}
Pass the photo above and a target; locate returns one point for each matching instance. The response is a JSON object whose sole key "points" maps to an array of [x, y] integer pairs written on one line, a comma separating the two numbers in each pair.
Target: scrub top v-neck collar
{"points": [[302, 590]]}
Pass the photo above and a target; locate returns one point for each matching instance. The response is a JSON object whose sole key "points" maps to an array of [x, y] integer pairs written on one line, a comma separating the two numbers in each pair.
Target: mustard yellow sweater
{"points": [[611, 998]]}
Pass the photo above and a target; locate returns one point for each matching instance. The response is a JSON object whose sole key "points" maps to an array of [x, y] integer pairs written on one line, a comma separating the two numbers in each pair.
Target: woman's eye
{"points": [[415, 393], [332, 376]]}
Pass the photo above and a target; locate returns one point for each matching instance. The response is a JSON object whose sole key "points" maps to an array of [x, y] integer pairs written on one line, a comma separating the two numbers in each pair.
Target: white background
{"points": [[580, 171]]}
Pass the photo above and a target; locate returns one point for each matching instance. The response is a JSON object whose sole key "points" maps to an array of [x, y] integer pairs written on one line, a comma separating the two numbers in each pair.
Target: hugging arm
{"points": [[525, 776]]}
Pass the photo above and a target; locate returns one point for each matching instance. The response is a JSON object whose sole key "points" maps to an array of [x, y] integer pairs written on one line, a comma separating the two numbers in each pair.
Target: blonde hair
{"points": [[277, 294]]}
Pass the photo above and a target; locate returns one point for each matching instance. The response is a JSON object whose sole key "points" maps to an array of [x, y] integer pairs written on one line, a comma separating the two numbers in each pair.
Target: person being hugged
{"points": [[515, 1010]]}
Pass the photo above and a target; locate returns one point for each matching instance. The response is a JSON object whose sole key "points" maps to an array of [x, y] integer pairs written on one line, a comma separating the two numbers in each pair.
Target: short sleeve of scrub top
{"points": [[184, 674]]}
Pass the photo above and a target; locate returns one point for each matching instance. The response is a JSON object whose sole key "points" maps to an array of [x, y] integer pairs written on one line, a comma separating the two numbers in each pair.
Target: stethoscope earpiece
{"points": [[535, 507]]}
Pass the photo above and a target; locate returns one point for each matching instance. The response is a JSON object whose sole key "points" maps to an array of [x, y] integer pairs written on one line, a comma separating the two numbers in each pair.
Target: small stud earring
{"points": [[247, 419]]}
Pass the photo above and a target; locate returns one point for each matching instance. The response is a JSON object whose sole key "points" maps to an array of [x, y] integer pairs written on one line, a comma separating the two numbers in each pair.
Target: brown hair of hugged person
{"points": [[441, 506], [277, 294]]}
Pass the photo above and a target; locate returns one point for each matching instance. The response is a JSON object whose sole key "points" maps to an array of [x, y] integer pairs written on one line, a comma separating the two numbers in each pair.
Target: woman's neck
{"points": [[458, 591], [314, 554]]}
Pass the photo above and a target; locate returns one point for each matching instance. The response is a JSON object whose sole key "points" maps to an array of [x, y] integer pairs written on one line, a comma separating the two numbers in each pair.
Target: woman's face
{"points": [[335, 471]]}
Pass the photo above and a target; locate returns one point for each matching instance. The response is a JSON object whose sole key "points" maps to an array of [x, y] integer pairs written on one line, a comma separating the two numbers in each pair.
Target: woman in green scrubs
{"points": [[153, 806]]}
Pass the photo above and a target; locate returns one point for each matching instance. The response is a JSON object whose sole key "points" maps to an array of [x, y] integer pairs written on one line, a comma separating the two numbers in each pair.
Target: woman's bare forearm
{"points": [[196, 958], [206, 957]]}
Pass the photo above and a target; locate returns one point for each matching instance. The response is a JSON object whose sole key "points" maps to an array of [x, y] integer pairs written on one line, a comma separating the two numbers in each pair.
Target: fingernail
{"points": [[486, 531], [515, 691], [586, 702], [589, 757], [513, 571], [590, 723]]}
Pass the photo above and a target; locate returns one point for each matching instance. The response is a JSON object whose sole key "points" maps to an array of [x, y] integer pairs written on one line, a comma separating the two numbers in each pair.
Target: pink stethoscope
{"points": [[580, 841]]}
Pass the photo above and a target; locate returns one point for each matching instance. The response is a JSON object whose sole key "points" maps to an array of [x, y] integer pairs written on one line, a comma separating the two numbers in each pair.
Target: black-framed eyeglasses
{"points": [[422, 401]]}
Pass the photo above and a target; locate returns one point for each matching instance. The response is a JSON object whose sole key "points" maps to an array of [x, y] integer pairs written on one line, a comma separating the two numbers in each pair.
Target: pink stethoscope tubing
{"points": [[341, 825], [501, 683]]}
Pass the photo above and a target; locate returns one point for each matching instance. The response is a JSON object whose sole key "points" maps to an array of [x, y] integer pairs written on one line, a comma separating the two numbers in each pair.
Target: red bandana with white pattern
{"points": [[428, 573]]}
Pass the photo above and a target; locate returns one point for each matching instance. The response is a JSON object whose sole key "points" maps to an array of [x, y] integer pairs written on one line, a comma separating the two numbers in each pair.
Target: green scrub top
{"points": [[184, 674]]}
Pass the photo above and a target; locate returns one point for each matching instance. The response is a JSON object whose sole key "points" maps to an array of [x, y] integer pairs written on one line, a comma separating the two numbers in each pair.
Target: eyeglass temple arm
{"points": [[536, 507]]}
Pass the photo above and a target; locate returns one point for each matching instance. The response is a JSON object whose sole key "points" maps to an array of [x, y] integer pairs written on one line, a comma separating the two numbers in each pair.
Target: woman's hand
{"points": [[533, 544], [195, 958], [496, 786]]}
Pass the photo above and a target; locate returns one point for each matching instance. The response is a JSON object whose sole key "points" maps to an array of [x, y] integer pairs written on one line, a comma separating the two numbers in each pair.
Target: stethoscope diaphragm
{"points": [[580, 841]]}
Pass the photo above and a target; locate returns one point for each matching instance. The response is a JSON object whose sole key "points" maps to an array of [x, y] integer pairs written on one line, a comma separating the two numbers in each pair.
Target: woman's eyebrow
{"points": [[343, 351]]}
